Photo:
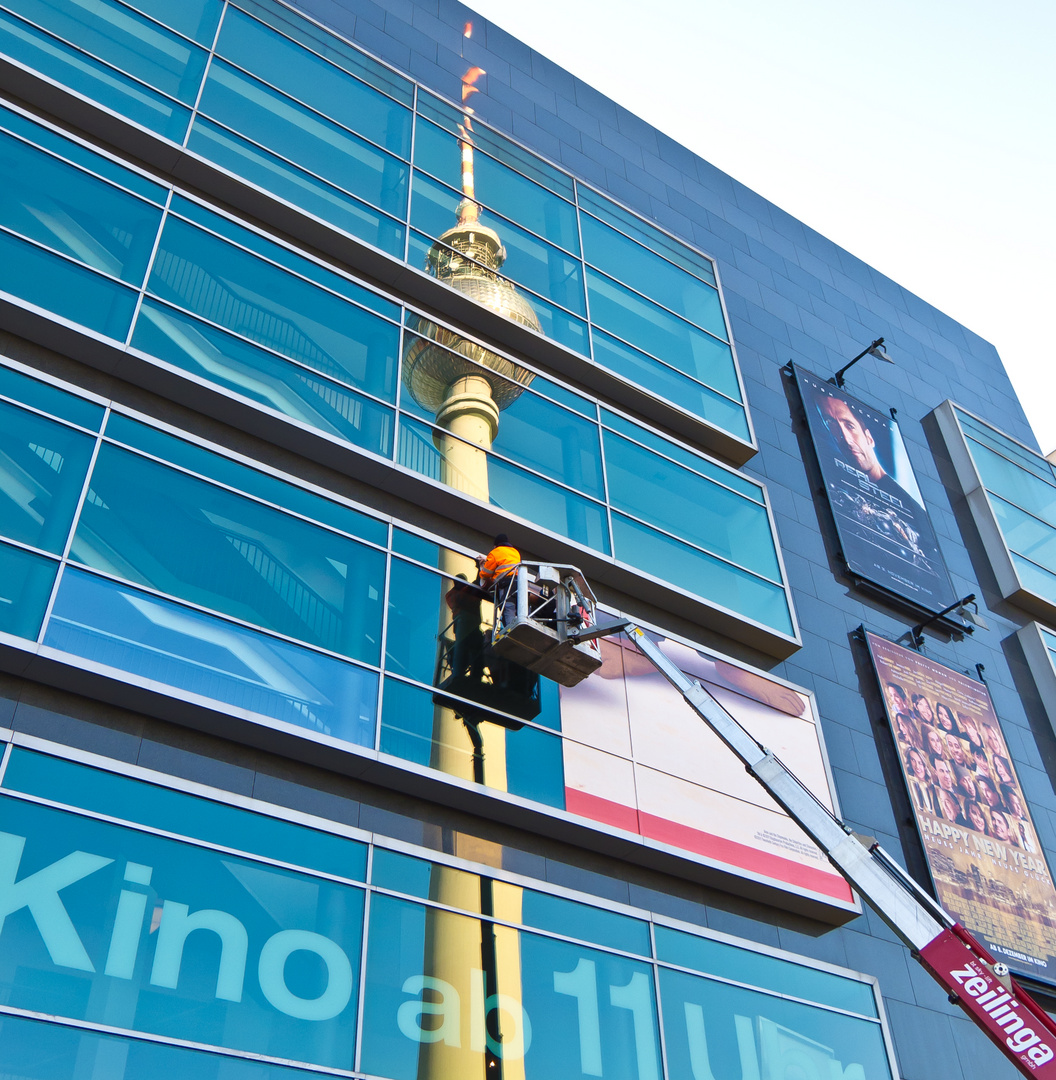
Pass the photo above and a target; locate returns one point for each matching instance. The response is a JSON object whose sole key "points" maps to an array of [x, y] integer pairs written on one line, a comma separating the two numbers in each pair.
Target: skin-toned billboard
{"points": [[884, 531], [637, 757], [986, 861]]}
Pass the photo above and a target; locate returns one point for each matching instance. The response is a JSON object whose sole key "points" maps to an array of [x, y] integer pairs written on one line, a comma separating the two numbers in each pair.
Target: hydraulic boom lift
{"points": [[553, 622]]}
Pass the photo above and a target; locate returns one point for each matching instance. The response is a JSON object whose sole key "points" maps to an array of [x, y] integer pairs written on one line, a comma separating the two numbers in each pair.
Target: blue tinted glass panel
{"points": [[112, 33], [163, 808], [416, 547], [269, 249], [169, 645], [651, 374], [334, 49], [195, 19], [496, 146], [769, 972], [81, 155], [70, 66], [42, 469], [1026, 535], [197, 542], [556, 322], [232, 473], [35, 1050], [315, 82], [514, 489], [401, 873], [1003, 445], [287, 388], [1028, 488], [620, 257], [416, 604], [700, 574], [319, 146], [69, 290], [573, 919], [567, 1009], [271, 307], [285, 181], [1035, 578], [651, 237], [690, 506], [648, 327], [733, 1032], [74, 213], [244, 954], [696, 462], [25, 585], [530, 262], [501, 188], [50, 399]]}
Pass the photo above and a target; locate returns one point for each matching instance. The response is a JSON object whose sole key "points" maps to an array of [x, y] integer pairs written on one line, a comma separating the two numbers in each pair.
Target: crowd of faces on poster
{"points": [[885, 534], [978, 835]]}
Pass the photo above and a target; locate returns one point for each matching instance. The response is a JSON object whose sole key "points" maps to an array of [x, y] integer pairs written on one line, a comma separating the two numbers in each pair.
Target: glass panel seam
{"points": [[162, 1040], [148, 269], [122, 75], [296, 252], [10, 541], [681, 464], [79, 166], [72, 260], [291, 360], [654, 302], [272, 152], [256, 77], [184, 838], [285, 511], [1016, 506], [498, 213], [234, 620], [204, 79]]}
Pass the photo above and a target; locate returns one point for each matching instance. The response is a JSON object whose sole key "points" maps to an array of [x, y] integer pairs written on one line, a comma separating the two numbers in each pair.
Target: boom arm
{"points": [[971, 977]]}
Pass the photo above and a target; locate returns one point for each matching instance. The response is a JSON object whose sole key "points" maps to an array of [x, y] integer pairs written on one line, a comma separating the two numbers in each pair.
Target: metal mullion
{"points": [[412, 168], [138, 1035], [304, 104], [583, 268], [9, 541], [49, 152], [605, 478], [104, 274], [272, 152], [3, 762], [383, 645], [504, 217], [657, 303], [664, 1070], [298, 252], [210, 54], [168, 834], [149, 269], [286, 512], [517, 464], [523, 288], [711, 554], [300, 364], [265, 631], [99, 60], [330, 32], [681, 464], [361, 1003], [74, 522]]}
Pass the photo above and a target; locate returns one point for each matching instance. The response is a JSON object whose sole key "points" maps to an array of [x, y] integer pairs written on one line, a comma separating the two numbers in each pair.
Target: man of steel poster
{"points": [[885, 533], [985, 857]]}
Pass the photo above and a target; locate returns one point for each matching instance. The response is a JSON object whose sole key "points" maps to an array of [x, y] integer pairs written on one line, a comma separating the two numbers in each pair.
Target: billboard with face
{"points": [[885, 533], [985, 858]]}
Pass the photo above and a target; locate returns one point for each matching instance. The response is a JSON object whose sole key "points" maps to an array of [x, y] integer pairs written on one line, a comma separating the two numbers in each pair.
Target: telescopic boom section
{"points": [[971, 977]]}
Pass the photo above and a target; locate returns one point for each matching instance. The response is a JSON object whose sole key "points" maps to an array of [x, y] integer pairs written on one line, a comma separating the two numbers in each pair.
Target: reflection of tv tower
{"points": [[466, 386]]}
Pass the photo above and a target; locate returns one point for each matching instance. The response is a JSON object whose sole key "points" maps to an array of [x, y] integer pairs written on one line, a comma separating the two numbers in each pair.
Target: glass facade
{"points": [[242, 945], [308, 117], [1020, 490]]}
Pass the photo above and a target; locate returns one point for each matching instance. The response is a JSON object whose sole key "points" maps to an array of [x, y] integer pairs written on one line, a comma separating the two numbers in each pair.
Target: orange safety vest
{"points": [[499, 562]]}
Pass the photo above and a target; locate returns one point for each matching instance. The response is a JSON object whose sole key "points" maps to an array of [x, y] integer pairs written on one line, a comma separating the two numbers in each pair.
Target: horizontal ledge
{"points": [[44, 665], [160, 155]]}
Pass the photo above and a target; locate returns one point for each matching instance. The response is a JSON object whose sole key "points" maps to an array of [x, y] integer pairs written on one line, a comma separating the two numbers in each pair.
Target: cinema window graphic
{"points": [[979, 839], [885, 534]]}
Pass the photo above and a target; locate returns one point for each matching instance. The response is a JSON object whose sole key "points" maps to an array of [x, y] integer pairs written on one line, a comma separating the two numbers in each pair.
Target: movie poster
{"points": [[885, 532], [987, 864]]}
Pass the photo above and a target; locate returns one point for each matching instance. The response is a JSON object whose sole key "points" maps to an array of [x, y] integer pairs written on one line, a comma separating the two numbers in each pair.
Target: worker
{"points": [[467, 650], [497, 574]]}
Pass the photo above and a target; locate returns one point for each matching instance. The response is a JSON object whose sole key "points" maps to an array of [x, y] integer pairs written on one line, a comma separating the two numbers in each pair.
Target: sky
{"points": [[920, 135]]}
